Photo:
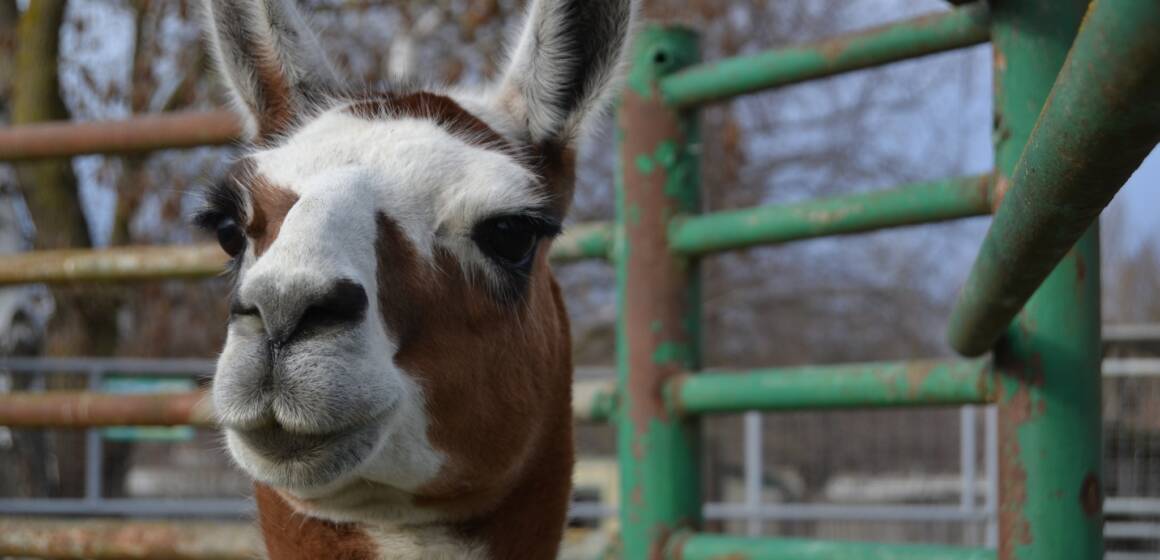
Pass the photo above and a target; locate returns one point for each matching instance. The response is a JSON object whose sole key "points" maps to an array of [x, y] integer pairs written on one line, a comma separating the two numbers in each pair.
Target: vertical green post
{"points": [[1050, 505], [658, 329]]}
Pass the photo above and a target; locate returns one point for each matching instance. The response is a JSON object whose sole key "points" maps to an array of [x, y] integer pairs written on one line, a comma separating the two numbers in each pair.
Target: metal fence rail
{"points": [[128, 540]]}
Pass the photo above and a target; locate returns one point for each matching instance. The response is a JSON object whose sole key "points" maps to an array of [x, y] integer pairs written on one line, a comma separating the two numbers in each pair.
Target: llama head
{"points": [[397, 346]]}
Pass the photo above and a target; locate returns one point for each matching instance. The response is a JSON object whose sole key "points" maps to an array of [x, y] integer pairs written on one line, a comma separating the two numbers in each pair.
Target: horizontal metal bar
{"points": [[121, 264], [723, 79], [1100, 121], [912, 204], [1132, 506], [136, 507], [583, 242], [1114, 555], [690, 546], [151, 366], [136, 135], [1131, 367], [100, 540], [128, 264], [79, 409], [1132, 530], [1140, 332], [593, 400], [883, 384], [845, 512]]}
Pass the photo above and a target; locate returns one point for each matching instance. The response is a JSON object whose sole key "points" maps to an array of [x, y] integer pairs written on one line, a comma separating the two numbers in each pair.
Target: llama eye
{"points": [[510, 240], [231, 238]]}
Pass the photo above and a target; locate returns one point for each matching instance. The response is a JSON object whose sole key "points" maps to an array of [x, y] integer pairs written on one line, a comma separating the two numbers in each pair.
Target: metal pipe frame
{"points": [[134, 264], [129, 136], [130, 507], [689, 546], [724, 79], [1050, 484], [1098, 124], [918, 203], [885, 384], [84, 409], [658, 328], [122, 540]]}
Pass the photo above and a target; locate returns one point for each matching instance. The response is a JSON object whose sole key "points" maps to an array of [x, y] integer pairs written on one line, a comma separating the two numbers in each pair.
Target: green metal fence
{"points": [[1071, 124]]}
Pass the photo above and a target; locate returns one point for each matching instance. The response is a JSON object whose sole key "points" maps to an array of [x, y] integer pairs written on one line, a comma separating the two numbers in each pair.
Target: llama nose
{"points": [[290, 313]]}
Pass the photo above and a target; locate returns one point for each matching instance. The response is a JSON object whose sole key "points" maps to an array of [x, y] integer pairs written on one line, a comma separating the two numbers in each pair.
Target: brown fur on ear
{"points": [[290, 535]]}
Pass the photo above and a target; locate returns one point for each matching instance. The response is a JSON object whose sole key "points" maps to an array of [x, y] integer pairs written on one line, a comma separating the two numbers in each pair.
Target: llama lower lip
{"points": [[279, 446]]}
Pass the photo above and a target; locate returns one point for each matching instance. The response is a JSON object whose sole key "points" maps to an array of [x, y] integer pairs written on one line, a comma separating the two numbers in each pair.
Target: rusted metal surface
{"points": [[73, 409], [913, 38], [1049, 386], [72, 539], [884, 384], [688, 546], [658, 330], [121, 264], [135, 264], [1099, 123], [918, 203], [136, 135]]}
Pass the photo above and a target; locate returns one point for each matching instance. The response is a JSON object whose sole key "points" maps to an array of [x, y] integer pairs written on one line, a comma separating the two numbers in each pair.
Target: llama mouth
{"points": [[289, 459]]}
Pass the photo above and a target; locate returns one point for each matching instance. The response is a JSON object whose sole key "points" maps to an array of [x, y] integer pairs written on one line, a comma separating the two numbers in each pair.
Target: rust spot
{"points": [[1014, 529], [1091, 496], [916, 374], [1080, 268], [1002, 184]]}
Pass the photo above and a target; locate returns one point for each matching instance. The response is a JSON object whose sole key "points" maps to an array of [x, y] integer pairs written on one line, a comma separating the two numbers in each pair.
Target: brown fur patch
{"points": [[270, 205], [497, 381], [290, 535]]}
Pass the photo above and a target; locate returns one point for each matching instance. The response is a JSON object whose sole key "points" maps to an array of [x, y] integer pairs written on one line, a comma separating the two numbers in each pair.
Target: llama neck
{"points": [[528, 523]]}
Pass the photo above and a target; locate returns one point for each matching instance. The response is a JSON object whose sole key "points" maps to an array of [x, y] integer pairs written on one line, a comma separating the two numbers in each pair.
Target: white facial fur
{"points": [[354, 414]]}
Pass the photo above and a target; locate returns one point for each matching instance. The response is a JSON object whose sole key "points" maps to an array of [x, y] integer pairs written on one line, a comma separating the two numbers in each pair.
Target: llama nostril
{"points": [[343, 303]]}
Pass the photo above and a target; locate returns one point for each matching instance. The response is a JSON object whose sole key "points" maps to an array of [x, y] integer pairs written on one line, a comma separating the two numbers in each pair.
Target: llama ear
{"points": [[568, 54], [271, 61]]}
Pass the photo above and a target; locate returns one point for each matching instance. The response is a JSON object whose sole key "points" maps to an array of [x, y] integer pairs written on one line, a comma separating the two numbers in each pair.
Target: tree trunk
{"points": [[84, 323]]}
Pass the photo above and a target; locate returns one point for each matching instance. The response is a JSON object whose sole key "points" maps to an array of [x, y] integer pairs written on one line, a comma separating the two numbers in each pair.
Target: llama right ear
{"points": [[563, 65], [271, 61]]}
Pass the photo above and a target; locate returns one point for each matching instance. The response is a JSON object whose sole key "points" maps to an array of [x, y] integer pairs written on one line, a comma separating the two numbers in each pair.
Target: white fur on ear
{"points": [[270, 59], [567, 56]]}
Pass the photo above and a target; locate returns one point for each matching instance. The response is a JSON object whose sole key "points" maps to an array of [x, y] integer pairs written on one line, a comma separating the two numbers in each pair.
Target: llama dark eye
{"points": [[511, 240], [231, 238]]}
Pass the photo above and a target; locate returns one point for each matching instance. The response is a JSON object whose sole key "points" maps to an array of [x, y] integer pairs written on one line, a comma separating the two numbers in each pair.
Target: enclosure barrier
{"points": [[128, 540], [1049, 187], [1045, 377], [125, 264]]}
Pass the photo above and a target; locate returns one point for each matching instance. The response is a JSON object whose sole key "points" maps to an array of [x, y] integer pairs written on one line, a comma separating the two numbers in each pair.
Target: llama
{"points": [[396, 375]]}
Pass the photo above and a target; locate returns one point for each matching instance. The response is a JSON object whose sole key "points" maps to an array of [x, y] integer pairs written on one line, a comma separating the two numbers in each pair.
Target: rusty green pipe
{"points": [[715, 81], [658, 327], [1099, 123], [130, 136], [134, 264], [73, 539], [582, 242], [80, 409], [885, 384], [917, 203], [688, 546], [1049, 389]]}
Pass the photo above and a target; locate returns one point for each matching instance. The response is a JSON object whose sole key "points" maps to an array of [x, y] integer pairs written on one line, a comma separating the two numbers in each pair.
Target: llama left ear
{"points": [[561, 72]]}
